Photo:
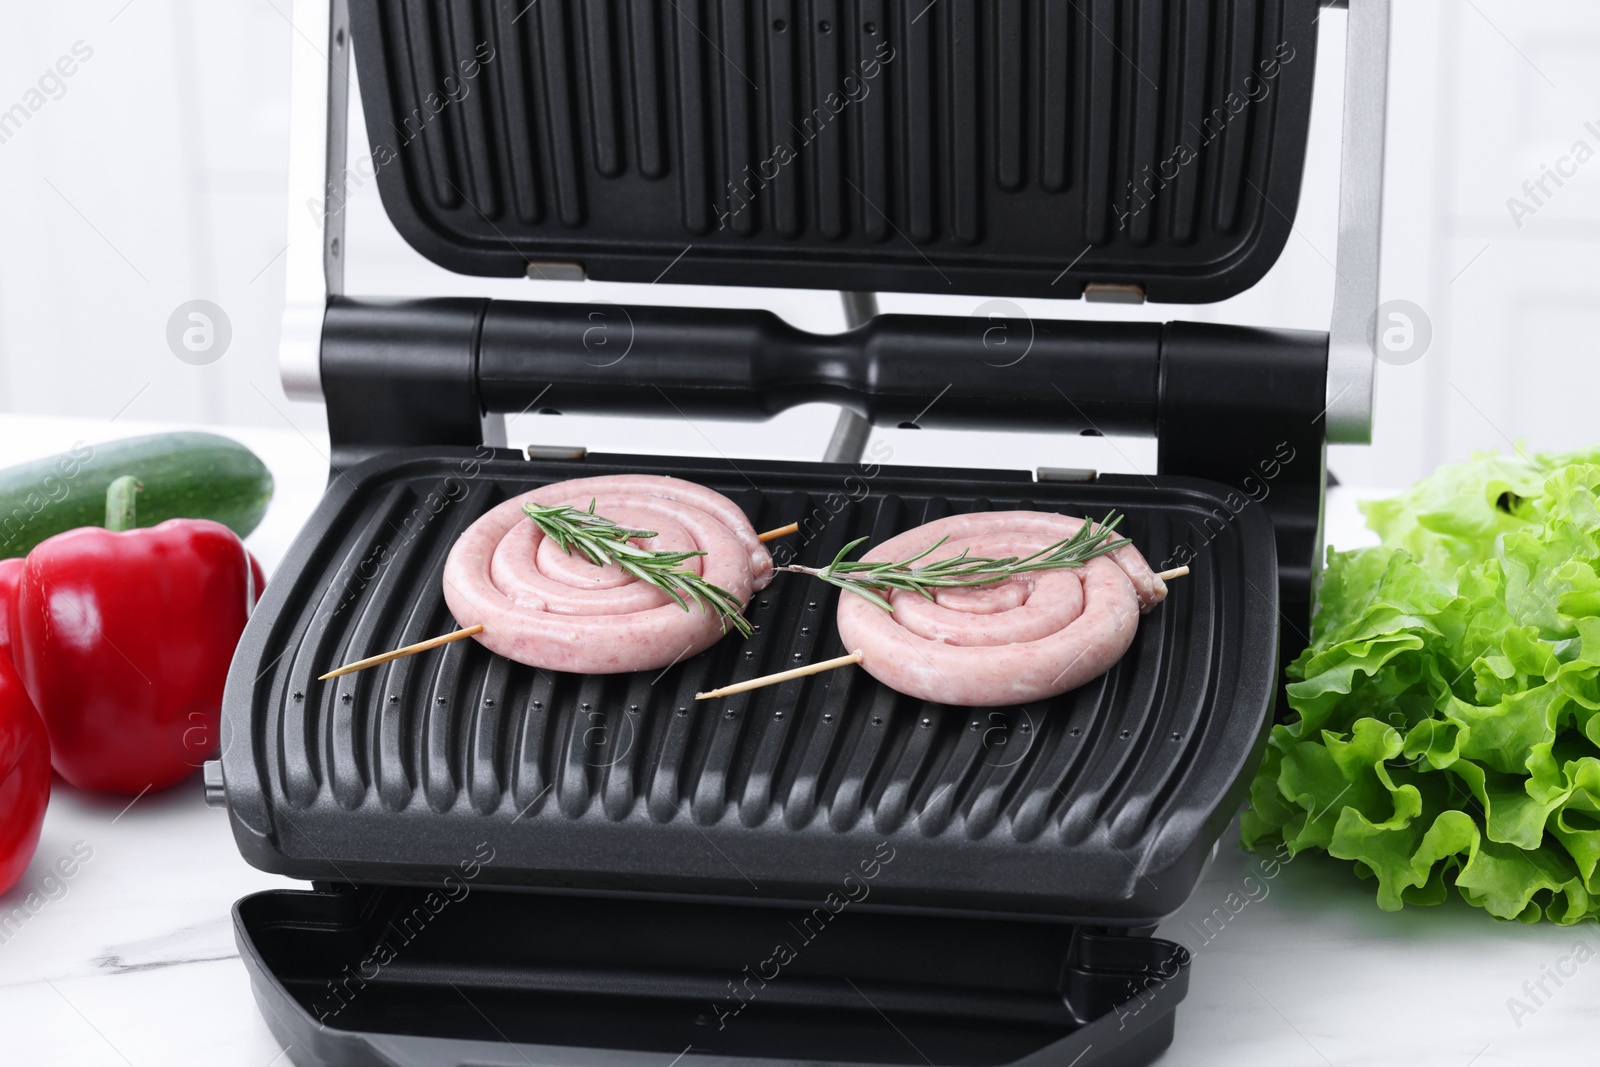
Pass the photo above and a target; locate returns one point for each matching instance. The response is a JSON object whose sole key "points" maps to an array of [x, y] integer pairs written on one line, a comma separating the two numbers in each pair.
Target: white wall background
{"points": [[156, 174]]}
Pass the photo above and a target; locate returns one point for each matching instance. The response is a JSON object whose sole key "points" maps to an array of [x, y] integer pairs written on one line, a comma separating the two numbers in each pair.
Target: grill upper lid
{"points": [[970, 146]]}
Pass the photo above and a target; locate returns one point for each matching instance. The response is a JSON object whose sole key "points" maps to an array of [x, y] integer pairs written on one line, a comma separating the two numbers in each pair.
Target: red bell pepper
{"points": [[24, 776], [124, 638], [10, 577]]}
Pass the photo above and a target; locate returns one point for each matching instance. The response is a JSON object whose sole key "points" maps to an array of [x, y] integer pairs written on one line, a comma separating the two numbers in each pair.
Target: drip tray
{"points": [[1098, 806], [458, 974]]}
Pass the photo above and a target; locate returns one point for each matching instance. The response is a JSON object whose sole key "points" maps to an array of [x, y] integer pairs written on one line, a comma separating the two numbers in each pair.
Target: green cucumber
{"points": [[183, 475]]}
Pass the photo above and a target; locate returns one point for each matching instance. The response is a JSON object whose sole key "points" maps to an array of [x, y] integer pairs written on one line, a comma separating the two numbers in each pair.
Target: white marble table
{"points": [[132, 960]]}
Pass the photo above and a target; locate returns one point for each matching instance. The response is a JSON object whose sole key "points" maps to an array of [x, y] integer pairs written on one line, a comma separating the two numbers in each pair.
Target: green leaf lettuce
{"points": [[1446, 716]]}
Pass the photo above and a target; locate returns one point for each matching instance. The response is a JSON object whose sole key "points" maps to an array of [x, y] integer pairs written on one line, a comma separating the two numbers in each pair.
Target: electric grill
{"points": [[511, 865]]}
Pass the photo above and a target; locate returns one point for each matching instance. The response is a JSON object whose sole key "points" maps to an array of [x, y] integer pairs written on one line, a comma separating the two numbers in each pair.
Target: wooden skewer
{"points": [[782, 531], [1176, 572], [400, 653], [782, 676]]}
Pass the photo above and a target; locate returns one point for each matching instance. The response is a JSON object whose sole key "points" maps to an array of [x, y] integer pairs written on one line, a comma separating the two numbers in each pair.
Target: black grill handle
{"points": [[927, 370]]}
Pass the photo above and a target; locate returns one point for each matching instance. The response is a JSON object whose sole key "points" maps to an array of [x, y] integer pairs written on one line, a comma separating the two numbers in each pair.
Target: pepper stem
{"points": [[120, 507]]}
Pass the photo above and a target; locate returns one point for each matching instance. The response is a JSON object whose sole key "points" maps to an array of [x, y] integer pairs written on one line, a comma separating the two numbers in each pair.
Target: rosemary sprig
{"points": [[872, 581], [603, 541]]}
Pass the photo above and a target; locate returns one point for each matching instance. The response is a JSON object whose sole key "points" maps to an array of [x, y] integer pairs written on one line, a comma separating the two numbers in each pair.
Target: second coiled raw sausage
{"points": [[1026, 638]]}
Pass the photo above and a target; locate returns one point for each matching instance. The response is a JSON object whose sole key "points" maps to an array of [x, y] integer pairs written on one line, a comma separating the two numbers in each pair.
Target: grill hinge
{"points": [[558, 453], [1065, 474]]}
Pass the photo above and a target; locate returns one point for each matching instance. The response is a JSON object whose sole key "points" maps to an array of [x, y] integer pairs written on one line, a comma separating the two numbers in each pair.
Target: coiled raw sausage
{"points": [[545, 607], [1026, 638]]}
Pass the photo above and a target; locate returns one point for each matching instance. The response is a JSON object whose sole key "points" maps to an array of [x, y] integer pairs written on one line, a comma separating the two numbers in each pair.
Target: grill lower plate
{"points": [[1099, 805]]}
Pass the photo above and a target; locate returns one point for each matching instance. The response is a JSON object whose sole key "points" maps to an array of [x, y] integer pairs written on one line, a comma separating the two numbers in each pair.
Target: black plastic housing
{"points": [[1009, 148], [598, 860], [383, 977]]}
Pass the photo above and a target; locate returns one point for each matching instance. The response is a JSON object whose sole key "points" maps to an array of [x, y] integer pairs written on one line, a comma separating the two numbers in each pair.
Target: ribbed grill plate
{"points": [[1101, 803]]}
